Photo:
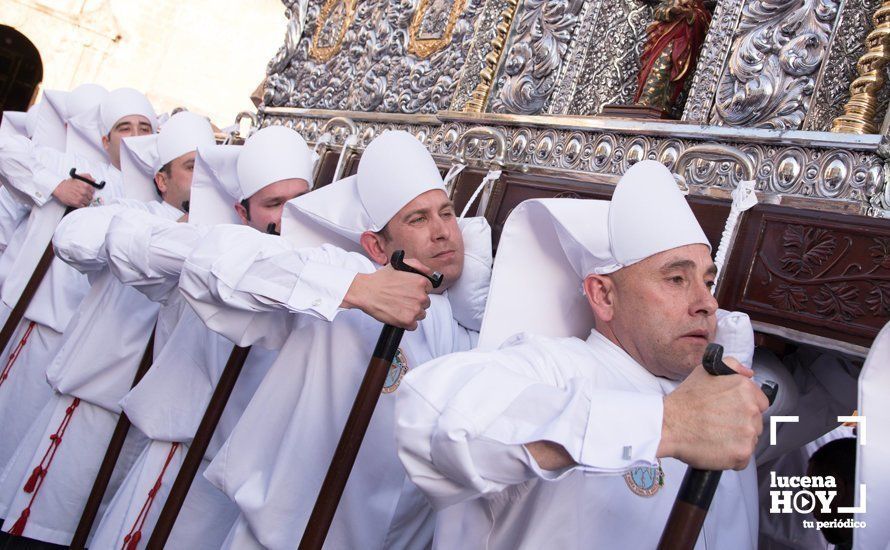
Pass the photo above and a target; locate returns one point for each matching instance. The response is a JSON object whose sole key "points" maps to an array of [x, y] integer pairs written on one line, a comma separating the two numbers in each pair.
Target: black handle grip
{"points": [[699, 486], [398, 263], [713, 361], [73, 173], [770, 389], [714, 365]]}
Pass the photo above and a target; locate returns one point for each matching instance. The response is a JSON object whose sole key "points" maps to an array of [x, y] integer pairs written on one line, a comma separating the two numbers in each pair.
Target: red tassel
{"points": [[15, 354], [133, 543], [19, 527], [32, 481], [35, 480]]}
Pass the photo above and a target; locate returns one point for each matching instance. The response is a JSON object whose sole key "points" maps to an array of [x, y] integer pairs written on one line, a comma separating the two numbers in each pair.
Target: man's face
{"points": [[175, 183], [130, 125], [662, 311], [265, 205], [426, 229]]}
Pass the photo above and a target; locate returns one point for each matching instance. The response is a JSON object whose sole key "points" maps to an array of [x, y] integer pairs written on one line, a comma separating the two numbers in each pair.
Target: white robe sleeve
{"points": [[33, 171], [463, 422], [12, 213], [79, 239], [237, 269], [147, 252]]}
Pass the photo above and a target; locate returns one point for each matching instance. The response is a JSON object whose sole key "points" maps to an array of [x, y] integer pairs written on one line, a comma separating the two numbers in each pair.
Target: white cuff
{"points": [[45, 182], [321, 289], [623, 430]]}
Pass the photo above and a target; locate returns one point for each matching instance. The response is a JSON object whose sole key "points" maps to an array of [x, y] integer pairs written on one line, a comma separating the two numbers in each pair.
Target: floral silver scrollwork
{"points": [[296, 21], [371, 68], [839, 69], [771, 73], [535, 54], [611, 65], [279, 87], [325, 84], [711, 61], [391, 79]]}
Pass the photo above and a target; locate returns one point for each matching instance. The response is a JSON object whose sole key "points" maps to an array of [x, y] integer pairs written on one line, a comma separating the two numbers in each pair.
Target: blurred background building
{"points": [[204, 55]]}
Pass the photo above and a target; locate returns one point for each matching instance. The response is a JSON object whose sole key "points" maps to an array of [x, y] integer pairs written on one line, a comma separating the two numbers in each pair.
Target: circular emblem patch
{"points": [[645, 481], [396, 371]]}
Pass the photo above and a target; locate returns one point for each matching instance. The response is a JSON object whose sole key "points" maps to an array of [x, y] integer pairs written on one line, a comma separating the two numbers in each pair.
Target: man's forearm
{"points": [[550, 456]]}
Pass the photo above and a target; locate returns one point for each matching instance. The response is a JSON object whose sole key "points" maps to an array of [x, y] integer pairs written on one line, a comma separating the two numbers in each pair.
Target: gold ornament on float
{"points": [[334, 20], [861, 109], [432, 25]]}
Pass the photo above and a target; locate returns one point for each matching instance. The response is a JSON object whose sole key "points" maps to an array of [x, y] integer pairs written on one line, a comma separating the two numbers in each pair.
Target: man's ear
{"points": [[600, 292], [242, 213], [373, 245], [161, 183], [106, 143]]}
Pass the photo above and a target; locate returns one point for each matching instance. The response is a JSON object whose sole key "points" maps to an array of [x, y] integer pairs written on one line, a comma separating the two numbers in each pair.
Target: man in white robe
{"points": [[30, 167], [324, 308], [273, 166], [567, 442], [46, 483], [41, 134]]}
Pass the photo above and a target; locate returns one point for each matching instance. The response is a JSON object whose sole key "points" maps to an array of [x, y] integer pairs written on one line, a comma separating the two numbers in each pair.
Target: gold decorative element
{"points": [[479, 97], [333, 21], [861, 109], [431, 28]]}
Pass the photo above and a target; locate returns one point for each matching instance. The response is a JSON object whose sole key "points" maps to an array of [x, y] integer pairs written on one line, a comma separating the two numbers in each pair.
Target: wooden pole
{"points": [[197, 448], [356, 425], [351, 438]]}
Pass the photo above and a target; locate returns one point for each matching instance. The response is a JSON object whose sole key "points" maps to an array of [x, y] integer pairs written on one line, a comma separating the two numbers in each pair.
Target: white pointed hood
{"points": [[227, 174], [216, 166], [551, 245], [143, 156], [394, 169], [15, 123]]}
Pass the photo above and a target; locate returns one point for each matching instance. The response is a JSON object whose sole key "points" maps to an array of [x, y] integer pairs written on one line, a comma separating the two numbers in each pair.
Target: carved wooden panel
{"points": [[820, 273]]}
